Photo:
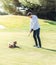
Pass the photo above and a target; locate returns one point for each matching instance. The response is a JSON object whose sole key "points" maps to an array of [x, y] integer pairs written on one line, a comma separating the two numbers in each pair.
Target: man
{"points": [[35, 27]]}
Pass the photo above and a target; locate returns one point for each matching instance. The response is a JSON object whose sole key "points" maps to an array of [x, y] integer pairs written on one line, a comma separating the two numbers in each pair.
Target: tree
{"points": [[42, 8], [10, 5], [16, 2]]}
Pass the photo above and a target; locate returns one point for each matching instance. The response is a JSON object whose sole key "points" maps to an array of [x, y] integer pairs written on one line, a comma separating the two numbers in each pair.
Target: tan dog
{"points": [[13, 45]]}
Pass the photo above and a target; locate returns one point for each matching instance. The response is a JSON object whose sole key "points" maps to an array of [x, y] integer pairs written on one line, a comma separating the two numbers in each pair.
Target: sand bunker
{"points": [[2, 27]]}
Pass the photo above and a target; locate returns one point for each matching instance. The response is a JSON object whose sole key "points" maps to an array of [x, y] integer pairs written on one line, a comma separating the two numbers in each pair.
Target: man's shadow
{"points": [[49, 49]]}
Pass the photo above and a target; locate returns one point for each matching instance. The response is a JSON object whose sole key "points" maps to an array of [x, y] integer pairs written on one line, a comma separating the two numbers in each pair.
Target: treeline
{"points": [[43, 8]]}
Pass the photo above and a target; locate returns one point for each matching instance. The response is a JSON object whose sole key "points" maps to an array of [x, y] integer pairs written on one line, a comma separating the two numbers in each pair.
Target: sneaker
{"points": [[37, 46]]}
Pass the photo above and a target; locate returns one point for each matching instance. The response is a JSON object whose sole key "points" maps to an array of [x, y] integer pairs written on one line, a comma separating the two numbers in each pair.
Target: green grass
{"points": [[13, 23], [17, 28]]}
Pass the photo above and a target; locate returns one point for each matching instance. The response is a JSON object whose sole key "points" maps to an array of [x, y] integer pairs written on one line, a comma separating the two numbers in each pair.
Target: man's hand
{"points": [[30, 32]]}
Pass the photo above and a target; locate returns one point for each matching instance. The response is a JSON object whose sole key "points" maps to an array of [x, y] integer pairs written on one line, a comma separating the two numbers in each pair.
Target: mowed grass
{"points": [[17, 28]]}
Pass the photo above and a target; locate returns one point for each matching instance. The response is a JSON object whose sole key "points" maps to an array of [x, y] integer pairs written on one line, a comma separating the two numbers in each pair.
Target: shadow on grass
{"points": [[16, 47], [50, 22], [49, 49]]}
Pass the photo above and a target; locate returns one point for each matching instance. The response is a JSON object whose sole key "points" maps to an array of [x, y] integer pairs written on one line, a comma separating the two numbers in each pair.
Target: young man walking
{"points": [[35, 27]]}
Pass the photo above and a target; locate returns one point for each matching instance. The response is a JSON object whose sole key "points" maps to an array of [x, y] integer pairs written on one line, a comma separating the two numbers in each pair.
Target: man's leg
{"points": [[38, 36], [35, 39]]}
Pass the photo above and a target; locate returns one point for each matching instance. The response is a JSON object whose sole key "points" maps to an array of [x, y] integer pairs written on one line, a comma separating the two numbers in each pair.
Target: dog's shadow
{"points": [[49, 49], [18, 47]]}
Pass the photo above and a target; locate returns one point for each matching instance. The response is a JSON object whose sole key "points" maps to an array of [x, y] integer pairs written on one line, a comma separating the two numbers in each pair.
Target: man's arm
{"points": [[31, 30]]}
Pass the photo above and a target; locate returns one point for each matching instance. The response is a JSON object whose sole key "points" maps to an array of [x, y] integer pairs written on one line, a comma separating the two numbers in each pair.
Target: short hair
{"points": [[29, 13]]}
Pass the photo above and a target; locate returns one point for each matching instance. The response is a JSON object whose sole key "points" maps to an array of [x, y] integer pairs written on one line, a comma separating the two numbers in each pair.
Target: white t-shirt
{"points": [[34, 23]]}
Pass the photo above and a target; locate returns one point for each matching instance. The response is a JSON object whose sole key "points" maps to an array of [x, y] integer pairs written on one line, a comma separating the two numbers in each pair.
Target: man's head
{"points": [[29, 14]]}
